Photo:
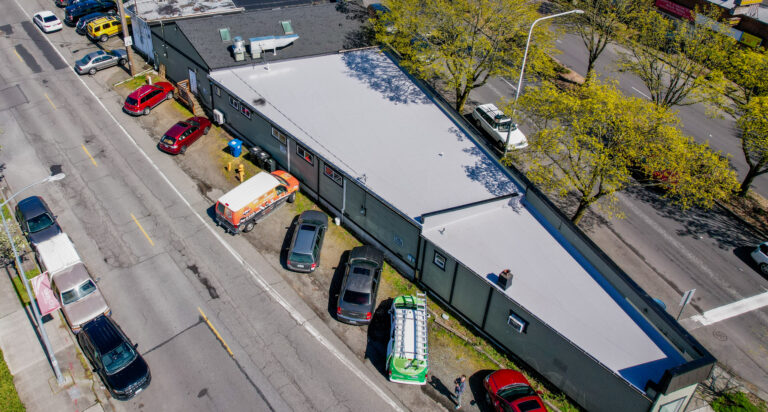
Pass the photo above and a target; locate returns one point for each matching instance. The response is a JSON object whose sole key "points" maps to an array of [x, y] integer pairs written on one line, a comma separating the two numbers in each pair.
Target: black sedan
{"points": [[357, 297], [36, 220]]}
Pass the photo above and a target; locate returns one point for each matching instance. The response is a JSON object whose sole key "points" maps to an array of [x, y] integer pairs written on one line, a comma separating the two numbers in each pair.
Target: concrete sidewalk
{"points": [[32, 372]]}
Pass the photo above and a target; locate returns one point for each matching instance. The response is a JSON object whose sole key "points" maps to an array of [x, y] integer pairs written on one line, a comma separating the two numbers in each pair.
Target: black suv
{"points": [[357, 297], [307, 241], [114, 358], [36, 220], [73, 13]]}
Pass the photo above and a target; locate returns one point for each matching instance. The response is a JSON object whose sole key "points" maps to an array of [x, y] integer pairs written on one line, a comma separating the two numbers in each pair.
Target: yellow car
{"points": [[104, 28]]}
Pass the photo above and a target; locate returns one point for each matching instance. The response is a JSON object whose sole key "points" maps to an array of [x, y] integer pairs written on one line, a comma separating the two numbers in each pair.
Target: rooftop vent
{"points": [[224, 33], [505, 279], [260, 44], [238, 48]]}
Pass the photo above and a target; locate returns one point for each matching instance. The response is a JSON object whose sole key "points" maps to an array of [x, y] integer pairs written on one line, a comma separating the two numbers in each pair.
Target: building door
{"points": [[192, 81]]}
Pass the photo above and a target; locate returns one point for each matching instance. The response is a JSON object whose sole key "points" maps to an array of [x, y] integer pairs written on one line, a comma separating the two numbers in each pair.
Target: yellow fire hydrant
{"points": [[241, 172]]}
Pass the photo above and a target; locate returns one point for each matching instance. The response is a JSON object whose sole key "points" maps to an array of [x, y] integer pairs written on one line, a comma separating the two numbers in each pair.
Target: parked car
{"points": [[65, 3], [93, 62], [181, 135], [74, 12], [81, 300], [242, 207], [104, 28], [357, 297], [82, 23], [307, 241], [47, 21], [760, 256], [113, 356], [499, 126], [145, 98], [36, 220], [509, 390]]}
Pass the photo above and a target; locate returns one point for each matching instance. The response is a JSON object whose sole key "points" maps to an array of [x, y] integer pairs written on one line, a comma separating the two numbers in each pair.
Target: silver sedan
{"points": [[93, 62]]}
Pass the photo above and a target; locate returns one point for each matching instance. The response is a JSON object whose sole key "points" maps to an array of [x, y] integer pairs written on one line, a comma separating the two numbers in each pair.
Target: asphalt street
{"points": [[143, 229], [668, 251]]}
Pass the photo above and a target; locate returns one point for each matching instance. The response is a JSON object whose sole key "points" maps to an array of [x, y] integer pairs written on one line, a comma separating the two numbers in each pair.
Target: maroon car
{"points": [[509, 391], [182, 134], [146, 97]]}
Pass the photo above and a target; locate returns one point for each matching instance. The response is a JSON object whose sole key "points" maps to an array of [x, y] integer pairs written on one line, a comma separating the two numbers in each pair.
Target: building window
{"points": [[279, 135], [333, 174], [305, 154], [218, 91], [245, 111], [234, 103], [439, 260], [673, 406]]}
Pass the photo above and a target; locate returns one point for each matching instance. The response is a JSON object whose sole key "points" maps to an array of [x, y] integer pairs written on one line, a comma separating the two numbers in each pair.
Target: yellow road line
{"points": [[216, 333], [50, 101], [142, 230], [89, 155], [18, 55]]}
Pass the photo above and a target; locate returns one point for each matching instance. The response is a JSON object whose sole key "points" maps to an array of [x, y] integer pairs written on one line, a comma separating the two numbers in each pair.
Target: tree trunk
{"points": [[590, 67], [583, 206], [751, 174], [461, 99]]}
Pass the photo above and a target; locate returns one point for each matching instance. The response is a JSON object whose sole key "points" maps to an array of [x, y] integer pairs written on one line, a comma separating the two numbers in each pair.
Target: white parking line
{"points": [[732, 309], [510, 84], [251, 270], [642, 94]]}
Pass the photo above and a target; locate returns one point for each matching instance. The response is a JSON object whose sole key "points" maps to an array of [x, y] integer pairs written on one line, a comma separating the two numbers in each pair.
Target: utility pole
{"points": [[127, 39]]}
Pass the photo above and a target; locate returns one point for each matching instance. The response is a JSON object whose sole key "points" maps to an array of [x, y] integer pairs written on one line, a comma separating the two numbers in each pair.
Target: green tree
{"points": [[463, 42], [753, 125], [603, 22], [747, 71], [674, 58], [591, 140]]}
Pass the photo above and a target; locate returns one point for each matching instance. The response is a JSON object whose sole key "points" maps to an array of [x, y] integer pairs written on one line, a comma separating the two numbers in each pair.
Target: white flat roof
{"points": [[553, 282], [57, 253], [362, 113]]}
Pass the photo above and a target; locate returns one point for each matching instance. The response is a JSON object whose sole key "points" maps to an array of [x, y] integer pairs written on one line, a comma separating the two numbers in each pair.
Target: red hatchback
{"points": [[182, 134], [509, 391], [146, 97]]}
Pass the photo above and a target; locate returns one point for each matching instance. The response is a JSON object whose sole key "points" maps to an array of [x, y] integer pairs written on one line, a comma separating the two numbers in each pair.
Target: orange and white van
{"points": [[239, 209]]}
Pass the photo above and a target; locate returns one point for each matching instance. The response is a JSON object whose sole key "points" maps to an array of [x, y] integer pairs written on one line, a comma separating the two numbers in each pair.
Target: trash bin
{"points": [[271, 165], [262, 158], [236, 147], [253, 154]]}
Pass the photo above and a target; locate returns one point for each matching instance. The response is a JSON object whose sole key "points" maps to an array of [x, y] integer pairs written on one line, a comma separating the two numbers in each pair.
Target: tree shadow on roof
{"points": [[486, 172], [381, 74]]}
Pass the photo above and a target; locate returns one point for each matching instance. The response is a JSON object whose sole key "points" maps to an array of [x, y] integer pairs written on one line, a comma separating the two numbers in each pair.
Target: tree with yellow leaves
{"points": [[593, 139], [463, 43]]}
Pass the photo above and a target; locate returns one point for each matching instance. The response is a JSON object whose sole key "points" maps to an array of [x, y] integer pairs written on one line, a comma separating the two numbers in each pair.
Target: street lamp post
{"points": [[35, 309], [522, 67]]}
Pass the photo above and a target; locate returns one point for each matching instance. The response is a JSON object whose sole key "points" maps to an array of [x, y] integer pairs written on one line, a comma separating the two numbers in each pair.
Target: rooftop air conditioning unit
{"points": [[218, 117]]}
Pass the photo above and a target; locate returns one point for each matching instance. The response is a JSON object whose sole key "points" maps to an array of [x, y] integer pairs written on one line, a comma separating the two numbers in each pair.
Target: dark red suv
{"points": [[145, 98], [182, 134]]}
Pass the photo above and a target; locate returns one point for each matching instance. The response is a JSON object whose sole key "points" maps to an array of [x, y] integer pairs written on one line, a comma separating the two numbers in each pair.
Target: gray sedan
{"points": [[93, 62]]}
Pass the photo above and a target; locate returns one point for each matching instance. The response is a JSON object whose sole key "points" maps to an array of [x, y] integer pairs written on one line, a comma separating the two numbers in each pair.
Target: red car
{"points": [[182, 134], [509, 391], [146, 97]]}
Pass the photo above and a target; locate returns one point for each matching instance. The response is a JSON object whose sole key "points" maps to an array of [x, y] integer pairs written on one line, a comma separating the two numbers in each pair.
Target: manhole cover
{"points": [[721, 336]]}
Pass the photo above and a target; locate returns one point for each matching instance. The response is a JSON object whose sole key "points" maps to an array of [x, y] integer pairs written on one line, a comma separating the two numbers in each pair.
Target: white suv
{"points": [[498, 125], [760, 256]]}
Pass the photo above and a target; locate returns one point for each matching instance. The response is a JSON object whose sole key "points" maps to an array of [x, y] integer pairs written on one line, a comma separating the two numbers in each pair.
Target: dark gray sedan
{"points": [[36, 220], [357, 297], [93, 62]]}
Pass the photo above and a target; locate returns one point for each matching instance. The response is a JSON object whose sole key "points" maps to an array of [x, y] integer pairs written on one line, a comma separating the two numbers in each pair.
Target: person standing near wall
{"points": [[459, 389]]}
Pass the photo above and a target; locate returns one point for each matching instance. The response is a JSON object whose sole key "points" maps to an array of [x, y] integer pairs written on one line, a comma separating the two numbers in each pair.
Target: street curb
{"points": [[750, 226]]}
